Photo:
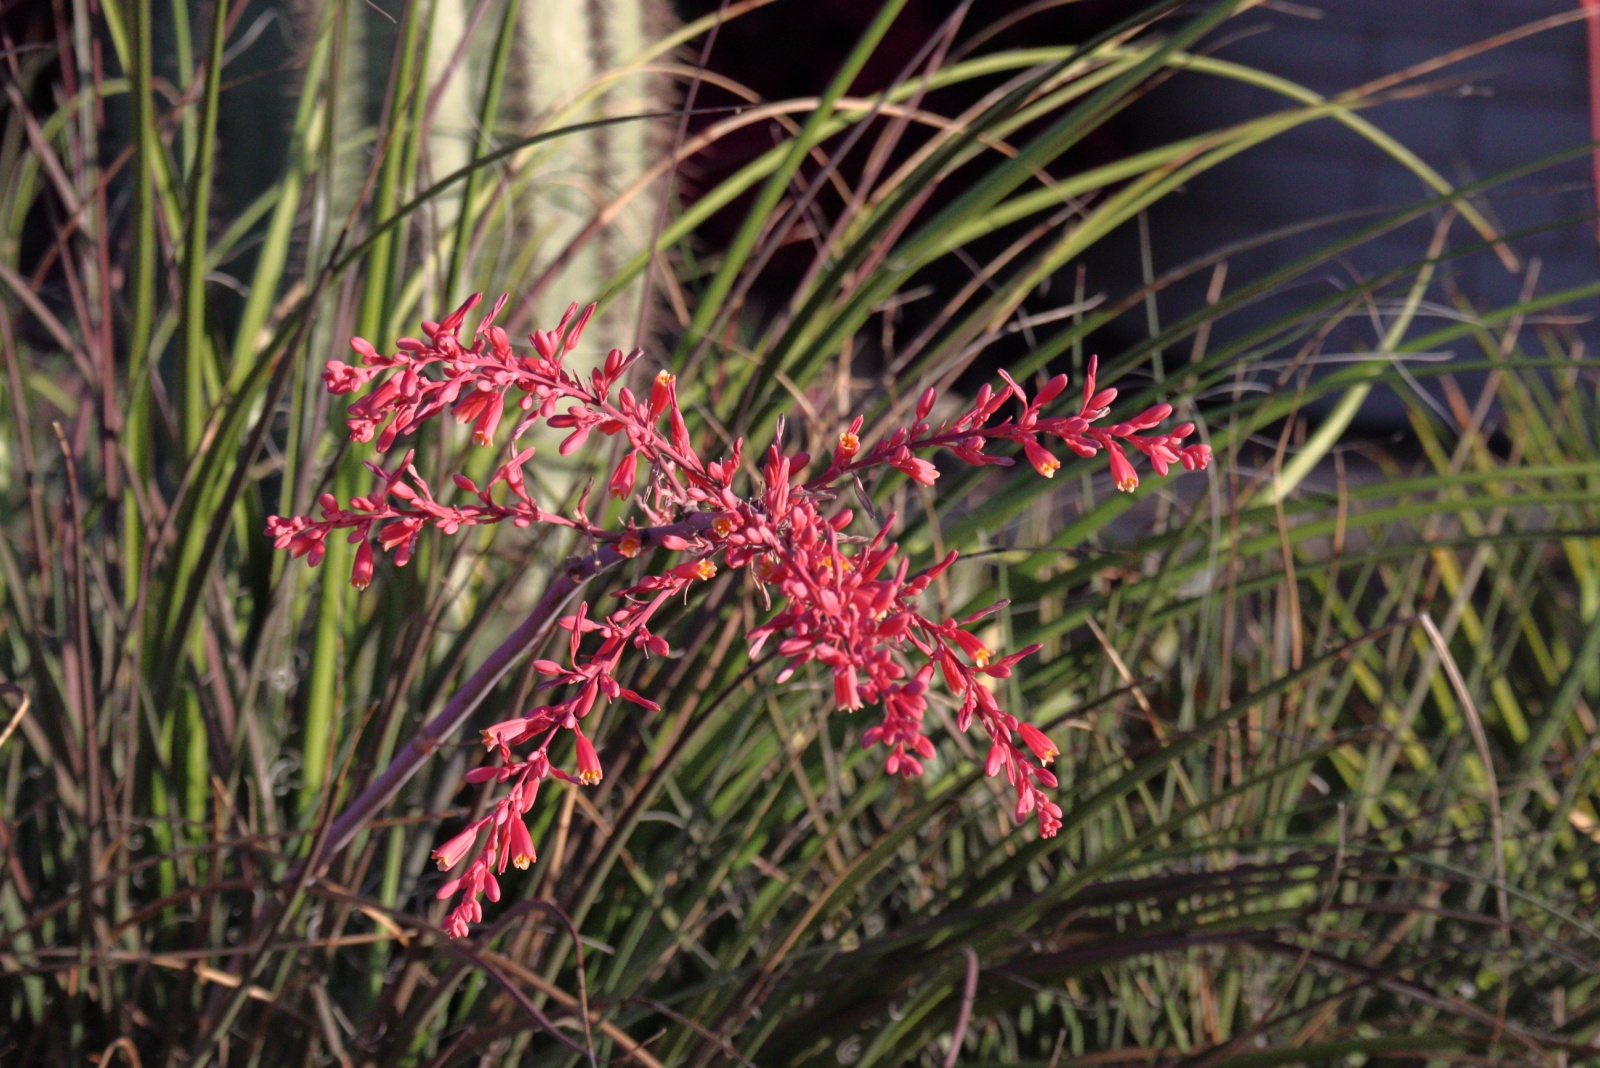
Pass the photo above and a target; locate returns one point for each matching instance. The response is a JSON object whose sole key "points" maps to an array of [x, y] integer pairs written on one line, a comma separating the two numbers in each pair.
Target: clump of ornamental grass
{"points": [[843, 600]]}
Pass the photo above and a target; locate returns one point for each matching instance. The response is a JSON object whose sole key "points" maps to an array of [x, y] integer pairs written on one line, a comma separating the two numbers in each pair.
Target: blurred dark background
{"points": [[1509, 107]]}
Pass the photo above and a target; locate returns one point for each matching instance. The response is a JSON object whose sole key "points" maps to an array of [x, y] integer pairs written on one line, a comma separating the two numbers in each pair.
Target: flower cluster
{"points": [[848, 604]]}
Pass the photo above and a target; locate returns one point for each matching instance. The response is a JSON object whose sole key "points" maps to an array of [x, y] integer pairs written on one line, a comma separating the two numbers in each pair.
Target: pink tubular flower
{"points": [[663, 393], [1041, 459], [589, 771], [701, 569], [522, 851], [626, 472], [849, 442], [1042, 747], [846, 693], [361, 570], [1122, 472], [845, 603], [449, 855]]}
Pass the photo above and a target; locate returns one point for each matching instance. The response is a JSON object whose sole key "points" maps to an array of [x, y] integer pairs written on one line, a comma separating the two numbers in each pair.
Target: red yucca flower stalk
{"points": [[847, 603]]}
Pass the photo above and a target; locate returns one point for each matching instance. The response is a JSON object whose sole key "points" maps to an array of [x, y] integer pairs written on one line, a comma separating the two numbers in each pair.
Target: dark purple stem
{"points": [[574, 574]]}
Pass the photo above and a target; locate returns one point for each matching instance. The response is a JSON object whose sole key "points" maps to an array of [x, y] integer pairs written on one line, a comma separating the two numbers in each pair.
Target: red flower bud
{"points": [[997, 759], [1052, 389], [917, 469], [1150, 416]]}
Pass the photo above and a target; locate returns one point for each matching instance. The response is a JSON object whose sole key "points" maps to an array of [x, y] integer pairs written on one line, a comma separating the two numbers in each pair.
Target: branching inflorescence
{"points": [[846, 603]]}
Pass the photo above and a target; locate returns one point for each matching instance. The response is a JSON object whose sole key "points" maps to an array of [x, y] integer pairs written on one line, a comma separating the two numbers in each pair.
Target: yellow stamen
{"points": [[848, 442], [629, 545]]}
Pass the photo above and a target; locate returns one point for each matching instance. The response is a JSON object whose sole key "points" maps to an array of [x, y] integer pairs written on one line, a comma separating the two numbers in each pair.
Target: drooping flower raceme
{"points": [[850, 605]]}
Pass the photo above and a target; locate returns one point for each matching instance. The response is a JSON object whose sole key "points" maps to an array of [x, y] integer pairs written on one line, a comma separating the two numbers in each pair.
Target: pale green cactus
{"points": [[529, 66], [574, 50]]}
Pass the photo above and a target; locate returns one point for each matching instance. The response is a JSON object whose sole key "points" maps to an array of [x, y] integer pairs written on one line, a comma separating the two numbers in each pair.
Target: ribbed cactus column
{"points": [[491, 72], [574, 50]]}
